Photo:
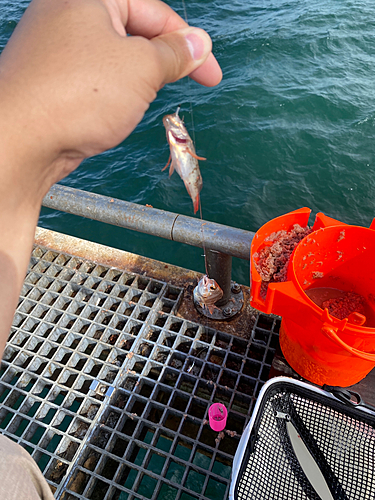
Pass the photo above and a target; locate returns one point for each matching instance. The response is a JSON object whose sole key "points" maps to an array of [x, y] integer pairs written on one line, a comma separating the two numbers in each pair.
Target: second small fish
{"points": [[183, 157], [207, 293]]}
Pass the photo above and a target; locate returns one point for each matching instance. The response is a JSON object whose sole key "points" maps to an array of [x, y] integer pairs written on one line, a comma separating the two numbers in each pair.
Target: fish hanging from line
{"points": [[183, 157], [207, 293]]}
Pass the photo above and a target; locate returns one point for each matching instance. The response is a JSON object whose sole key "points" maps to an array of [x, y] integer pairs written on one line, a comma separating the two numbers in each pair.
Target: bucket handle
{"points": [[331, 333]]}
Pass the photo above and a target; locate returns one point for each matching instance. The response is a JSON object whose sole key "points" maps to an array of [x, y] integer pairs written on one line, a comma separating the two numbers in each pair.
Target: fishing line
{"points": [[188, 79], [203, 244], [193, 132]]}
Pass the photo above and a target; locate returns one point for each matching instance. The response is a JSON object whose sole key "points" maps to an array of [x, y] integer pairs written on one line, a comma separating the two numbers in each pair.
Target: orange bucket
{"points": [[335, 259]]}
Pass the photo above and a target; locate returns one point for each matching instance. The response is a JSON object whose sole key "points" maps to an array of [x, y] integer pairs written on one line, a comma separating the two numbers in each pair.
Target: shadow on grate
{"points": [[77, 323]]}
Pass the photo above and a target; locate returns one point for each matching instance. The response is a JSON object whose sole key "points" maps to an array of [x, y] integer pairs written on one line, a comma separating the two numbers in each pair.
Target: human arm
{"points": [[72, 84]]}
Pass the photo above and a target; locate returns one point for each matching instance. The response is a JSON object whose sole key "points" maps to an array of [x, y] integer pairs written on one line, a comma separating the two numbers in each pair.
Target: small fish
{"points": [[207, 292], [183, 158]]}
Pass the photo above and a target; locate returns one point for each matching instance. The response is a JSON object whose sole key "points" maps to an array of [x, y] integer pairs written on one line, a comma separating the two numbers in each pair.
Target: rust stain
{"points": [[112, 257]]}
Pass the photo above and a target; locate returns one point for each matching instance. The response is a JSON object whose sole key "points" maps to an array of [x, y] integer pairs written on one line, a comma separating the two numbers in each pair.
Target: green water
{"points": [[291, 125]]}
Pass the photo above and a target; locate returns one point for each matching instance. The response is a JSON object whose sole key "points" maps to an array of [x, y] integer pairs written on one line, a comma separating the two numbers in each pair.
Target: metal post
{"points": [[219, 267]]}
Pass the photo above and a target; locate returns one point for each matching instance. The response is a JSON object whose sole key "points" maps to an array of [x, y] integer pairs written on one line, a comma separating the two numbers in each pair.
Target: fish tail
{"points": [[193, 193], [196, 203]]}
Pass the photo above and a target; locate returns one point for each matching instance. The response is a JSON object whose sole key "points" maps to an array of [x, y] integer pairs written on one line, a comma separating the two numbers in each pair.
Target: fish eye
{"points": [[213, 287]]}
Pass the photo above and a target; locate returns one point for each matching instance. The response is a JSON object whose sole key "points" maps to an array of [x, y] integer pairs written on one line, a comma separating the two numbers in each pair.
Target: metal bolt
{"points": [[235, 288], [227, 311]]}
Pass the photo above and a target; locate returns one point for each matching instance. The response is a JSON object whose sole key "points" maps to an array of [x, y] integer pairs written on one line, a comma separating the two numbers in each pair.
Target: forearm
{"points": [[25, 176], [19, 216]]}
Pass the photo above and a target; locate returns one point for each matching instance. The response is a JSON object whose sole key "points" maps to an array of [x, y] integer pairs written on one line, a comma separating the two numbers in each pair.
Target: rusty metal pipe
{"points": [[219, 267], [224, 239]]}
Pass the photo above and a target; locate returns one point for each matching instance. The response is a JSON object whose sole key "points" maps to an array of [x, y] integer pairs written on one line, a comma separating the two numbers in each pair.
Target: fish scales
{"points": [[183, 157]]}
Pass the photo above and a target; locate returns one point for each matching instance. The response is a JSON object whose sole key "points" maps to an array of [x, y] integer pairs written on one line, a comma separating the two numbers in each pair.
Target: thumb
{"points": [[181, 52]]}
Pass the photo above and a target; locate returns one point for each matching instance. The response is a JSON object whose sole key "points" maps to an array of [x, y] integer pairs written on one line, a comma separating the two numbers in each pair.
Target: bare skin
{"points": [[73, 84]]}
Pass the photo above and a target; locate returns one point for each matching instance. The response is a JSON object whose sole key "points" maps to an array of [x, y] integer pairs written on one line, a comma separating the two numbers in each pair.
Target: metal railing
{"points": [[225, 239], [221, 242]]}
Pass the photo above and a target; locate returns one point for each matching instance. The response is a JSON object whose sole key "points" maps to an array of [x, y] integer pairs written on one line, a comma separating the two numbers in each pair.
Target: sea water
{"points": [[291, 125]]}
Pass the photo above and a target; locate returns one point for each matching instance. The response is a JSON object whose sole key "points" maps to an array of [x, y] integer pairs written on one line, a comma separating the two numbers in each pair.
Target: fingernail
{"points": [[199, 43]]}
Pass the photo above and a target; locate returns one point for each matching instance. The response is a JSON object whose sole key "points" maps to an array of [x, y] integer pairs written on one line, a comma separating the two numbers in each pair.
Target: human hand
{"points": [[74, 84]]}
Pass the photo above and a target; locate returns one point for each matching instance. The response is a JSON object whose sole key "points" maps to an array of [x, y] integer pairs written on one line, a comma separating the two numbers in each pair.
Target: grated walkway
{"points": [[108, 388]]}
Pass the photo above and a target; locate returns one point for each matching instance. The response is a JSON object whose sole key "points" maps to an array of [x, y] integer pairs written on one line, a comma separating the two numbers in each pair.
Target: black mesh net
{"points": [[340, 440]]}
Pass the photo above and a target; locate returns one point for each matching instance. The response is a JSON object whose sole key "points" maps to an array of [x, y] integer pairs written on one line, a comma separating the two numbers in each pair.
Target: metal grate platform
{"points": [[108, 388]]}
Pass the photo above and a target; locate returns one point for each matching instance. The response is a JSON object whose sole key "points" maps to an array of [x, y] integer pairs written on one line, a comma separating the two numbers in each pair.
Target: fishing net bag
{"points": [[303, 442]]}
